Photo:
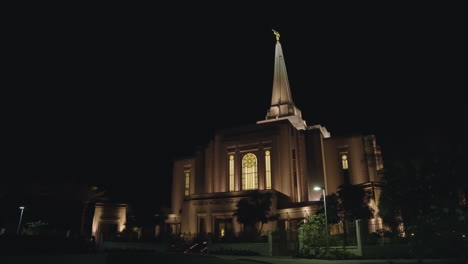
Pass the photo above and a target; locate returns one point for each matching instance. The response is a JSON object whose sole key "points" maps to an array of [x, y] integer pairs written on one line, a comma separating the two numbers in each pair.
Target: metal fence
{"points": [[343, 234], [228, 237], [379, 234]]}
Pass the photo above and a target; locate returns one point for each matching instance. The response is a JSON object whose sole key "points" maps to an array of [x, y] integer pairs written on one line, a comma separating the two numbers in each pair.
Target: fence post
{"points": [[270, 244], [359, 236]]}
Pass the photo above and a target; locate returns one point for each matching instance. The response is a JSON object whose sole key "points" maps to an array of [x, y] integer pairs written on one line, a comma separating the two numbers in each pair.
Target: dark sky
{"points": [[111, 92]]}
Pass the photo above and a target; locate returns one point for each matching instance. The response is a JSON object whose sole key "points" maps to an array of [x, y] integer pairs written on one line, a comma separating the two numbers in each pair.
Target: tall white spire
{"points": [[281, 91], [282, 105]]}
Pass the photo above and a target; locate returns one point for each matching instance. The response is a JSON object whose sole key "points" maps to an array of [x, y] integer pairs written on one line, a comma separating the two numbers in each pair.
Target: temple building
{"points": [[281, 155]]}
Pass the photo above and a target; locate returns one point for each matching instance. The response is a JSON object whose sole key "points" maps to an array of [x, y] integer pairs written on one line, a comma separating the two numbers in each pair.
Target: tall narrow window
{"points": [[268, 169], [249, 172], [187, 182], [231, 173], [344, 161], [293, 154]]}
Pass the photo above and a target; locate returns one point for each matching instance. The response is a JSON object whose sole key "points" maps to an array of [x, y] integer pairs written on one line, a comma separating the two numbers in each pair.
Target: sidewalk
{"points": [[291, 260]]}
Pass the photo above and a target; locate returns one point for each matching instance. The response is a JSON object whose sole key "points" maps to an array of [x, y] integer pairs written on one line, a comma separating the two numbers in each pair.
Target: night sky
{"points": [[112, 92]]}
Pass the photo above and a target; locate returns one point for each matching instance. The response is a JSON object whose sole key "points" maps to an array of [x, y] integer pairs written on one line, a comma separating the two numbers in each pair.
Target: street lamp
{"points": [[316, 188], [21, 217]]}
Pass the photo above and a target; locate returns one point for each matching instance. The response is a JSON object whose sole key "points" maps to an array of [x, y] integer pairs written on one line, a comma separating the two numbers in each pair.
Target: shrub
{"points": [[321, 253]]}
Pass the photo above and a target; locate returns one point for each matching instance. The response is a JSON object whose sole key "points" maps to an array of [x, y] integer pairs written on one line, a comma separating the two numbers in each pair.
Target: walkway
{"points": [[290, 260]]}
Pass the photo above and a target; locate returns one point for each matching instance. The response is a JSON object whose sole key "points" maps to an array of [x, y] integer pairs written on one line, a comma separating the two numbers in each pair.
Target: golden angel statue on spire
{"points": [[277, 34]]}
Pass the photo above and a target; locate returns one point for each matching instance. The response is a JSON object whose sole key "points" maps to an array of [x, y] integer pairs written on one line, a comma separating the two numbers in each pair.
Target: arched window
{"points": [[344, 161], [268, 169], [249, 172], [231, 173]]}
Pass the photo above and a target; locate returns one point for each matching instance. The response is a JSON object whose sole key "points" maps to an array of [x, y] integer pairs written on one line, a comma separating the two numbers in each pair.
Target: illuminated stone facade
{"points": [[281, 155], [108, 220]]}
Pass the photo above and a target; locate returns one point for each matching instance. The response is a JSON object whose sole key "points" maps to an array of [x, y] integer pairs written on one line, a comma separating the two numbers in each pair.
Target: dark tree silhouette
{"points": [[354, 203], [253, 210], [333, 216], [351, 202], [393, 195], [426, 194]]}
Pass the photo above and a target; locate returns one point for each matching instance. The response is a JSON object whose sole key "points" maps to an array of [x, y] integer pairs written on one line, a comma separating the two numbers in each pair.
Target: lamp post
{"points": [[21, 217], [326, 218]]}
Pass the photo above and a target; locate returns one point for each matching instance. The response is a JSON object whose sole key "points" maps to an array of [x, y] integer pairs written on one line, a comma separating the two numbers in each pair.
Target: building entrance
{"points": [[223, 228]]}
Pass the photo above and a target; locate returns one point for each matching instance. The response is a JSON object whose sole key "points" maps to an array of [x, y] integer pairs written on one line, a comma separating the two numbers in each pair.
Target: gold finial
{"points": [[277, 34]]}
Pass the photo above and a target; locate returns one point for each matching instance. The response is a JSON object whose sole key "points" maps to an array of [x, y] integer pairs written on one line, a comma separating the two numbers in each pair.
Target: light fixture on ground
{"points": [[316, 188], [21, 217]]}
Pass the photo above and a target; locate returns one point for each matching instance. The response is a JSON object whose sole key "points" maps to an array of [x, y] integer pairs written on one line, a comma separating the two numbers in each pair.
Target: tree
{"points": [[351, 202], [425, 193], [253, 210], [333, 217], [393, 196], [312, 233]]}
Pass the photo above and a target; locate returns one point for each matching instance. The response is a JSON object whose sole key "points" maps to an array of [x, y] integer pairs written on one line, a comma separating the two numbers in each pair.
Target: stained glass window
{"points": [[249, 172]]}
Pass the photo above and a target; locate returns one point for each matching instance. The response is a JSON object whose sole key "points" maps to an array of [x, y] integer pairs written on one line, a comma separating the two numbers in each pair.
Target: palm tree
{"points": [[252, 210]]}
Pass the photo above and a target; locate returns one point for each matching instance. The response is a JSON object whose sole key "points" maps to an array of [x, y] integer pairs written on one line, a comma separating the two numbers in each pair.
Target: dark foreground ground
{"points": [[119, 258], [146, 258], [169, 259]]}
